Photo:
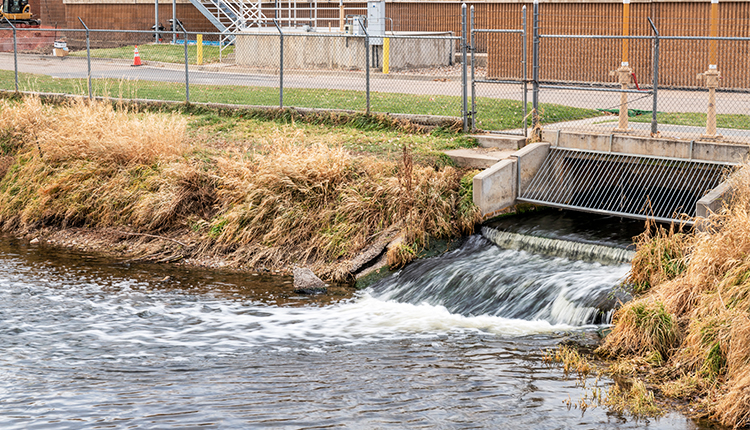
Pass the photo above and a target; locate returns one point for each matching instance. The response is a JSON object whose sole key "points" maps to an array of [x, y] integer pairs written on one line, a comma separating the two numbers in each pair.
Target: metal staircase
{"points": [[230, 17]]}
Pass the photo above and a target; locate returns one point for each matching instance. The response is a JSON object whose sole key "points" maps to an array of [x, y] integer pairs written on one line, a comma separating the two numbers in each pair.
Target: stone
{"points": [[305, 282], [34, 241]]}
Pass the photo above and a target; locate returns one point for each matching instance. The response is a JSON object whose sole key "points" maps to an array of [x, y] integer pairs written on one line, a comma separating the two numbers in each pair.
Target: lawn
{"points": [[496, 114], [165, 52]]}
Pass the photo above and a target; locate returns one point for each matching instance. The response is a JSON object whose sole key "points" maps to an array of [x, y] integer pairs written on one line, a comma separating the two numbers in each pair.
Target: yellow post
{"points": [[624, 72], [386, 54], [712, 75], [199, 49]]}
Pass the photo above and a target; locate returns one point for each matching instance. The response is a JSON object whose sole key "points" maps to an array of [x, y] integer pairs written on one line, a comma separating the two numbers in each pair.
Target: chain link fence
{"points": [[548, 69], [413, 73]]}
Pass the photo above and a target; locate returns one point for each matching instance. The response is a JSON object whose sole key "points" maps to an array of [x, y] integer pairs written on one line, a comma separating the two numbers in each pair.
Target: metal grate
{"points": [[632, 186]]}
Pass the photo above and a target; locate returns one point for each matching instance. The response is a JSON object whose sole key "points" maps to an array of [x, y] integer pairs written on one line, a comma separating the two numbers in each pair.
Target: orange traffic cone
{"points": [[136, 57]]}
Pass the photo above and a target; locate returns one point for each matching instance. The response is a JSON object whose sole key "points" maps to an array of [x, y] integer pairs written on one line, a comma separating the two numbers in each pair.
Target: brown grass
{"points": [[291, 202], [706, 345]]}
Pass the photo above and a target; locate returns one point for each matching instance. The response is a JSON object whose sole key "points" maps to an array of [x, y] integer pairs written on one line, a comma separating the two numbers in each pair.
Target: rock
{"points": [[34, 241], [305, 282]]}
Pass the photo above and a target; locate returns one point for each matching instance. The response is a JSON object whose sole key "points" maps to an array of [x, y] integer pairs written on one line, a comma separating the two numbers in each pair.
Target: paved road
{"points": [[75, 67]]}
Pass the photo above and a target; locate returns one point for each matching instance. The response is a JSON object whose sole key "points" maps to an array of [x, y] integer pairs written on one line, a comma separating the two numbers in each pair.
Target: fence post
{"points": [[535, 67], [464, 92], [654, 123], [187, 81], [281, 65], [88, 54], [473, 66], [15, 50], [367, 67], [524, 22]]}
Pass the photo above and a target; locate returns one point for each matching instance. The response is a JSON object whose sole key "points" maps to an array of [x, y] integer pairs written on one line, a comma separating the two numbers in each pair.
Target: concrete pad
{"points": [[500, 141], [478, 158]]}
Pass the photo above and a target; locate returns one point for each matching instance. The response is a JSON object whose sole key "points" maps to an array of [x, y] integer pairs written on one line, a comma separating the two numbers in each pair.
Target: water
{"points": [[90, 343]]}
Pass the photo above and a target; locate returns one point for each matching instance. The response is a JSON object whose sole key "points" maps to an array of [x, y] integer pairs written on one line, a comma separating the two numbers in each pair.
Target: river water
{"points": [[449, 342]]}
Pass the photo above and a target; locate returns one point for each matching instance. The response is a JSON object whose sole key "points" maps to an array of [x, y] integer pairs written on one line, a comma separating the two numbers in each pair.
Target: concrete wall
{"points": [[706, 151], [713, 201], [301, 52], [310, 51], [496, 188]]}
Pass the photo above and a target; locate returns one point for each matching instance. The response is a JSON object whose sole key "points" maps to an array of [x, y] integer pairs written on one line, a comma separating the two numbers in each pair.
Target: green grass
{"points": [[735, 121], [164, 52], [495, 114]]}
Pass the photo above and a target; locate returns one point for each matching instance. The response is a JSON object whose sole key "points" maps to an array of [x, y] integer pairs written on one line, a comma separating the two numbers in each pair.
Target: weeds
{"points": [[695, 310]]}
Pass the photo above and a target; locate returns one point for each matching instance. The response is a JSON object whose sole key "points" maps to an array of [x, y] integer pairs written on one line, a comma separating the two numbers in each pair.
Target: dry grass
{"points": [[289, 202], [697, 311], [635, 399]]}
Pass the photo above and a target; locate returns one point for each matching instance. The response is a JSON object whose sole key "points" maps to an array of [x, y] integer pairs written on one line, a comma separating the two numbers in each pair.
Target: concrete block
{"points": [[478, 158], [495, 188], [650, 146], [727, 152], [585, 141], [500, 141], [714, 200]]}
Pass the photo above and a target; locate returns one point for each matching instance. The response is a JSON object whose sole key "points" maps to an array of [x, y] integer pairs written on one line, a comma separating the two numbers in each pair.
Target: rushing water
{"points": [[450, 342]]}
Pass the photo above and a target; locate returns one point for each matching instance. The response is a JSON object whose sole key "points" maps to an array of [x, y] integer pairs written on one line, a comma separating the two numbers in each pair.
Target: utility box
{"points": [[376, 21], [358, 23]]}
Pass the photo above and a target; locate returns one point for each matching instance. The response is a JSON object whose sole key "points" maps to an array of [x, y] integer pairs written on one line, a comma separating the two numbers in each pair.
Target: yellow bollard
{"points": [[199, 49], [386, 54]]}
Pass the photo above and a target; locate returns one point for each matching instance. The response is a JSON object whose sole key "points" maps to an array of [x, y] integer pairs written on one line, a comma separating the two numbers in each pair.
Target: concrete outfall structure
{"points": [[497, 188]]}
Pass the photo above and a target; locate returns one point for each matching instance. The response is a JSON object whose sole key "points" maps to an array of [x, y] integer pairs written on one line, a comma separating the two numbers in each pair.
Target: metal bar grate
{"points": [[632, 186]]}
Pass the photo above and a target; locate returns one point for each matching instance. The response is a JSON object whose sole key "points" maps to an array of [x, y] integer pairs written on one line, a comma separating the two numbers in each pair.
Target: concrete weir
{"points": [[636, 174]]}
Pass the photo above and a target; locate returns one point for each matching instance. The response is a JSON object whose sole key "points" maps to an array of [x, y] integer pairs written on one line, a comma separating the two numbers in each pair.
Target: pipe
{"points": [[714, 33]]}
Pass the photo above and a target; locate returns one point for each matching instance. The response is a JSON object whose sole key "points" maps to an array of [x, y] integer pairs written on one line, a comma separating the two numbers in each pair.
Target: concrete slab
{"points": [[500, 141], [479, 158]]}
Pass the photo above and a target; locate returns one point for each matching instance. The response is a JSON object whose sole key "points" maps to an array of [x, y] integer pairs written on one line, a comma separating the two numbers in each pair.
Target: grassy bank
{"points": [[688, 331], [256, 193], [494, 114]]}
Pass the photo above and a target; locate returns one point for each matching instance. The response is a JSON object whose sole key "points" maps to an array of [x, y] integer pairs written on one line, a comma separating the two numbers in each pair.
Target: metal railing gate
{"points": [[474, 32]]}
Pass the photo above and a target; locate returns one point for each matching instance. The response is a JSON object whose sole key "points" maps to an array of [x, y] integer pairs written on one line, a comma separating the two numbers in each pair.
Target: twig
{"points": [[152, 235]]}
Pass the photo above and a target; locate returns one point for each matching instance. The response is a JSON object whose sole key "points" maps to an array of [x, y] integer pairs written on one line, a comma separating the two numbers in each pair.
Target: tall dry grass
{"points": [[92, 164], [707, 351]]}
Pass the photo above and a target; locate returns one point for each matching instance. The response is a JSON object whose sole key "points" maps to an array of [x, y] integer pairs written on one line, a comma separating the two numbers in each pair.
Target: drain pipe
{"points": [[624, 73], [712, 75]]}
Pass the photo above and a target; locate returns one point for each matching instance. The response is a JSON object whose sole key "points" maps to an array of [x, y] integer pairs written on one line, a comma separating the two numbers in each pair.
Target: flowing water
{"points": [[449, 342]]}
